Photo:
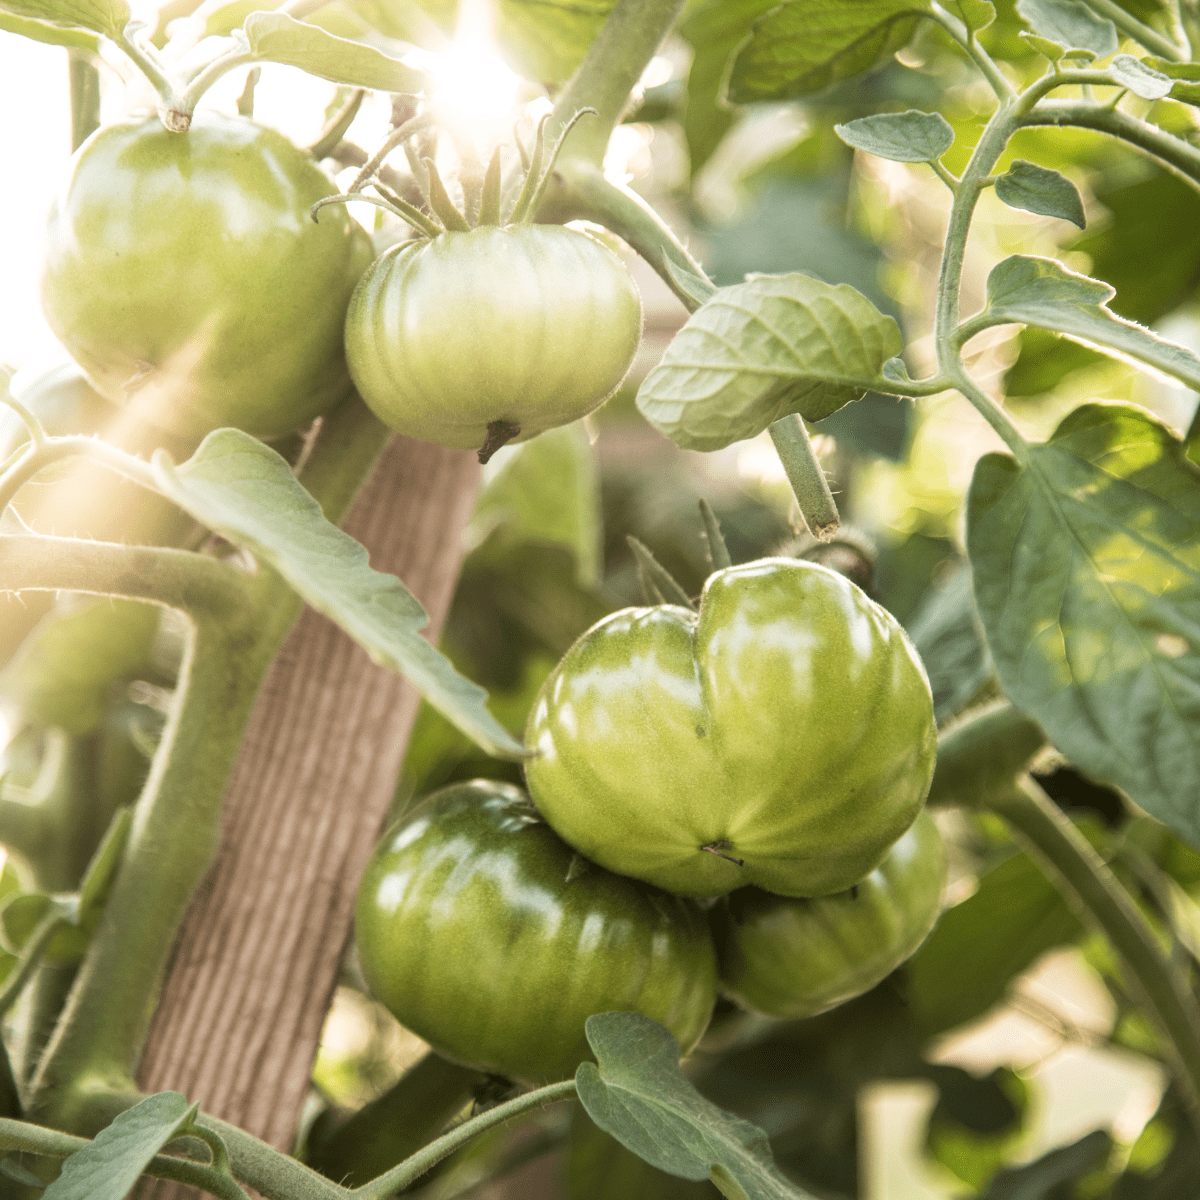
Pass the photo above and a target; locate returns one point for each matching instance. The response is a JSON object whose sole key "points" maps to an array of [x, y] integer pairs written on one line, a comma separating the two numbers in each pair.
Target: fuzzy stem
{"points": [[185, 105], [1139, 32], [804, 473], [1075, 868]]}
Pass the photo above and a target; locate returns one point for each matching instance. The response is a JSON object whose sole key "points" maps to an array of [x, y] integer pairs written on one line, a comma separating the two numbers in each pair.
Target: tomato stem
{"points": [[806, 476], [498, 432]]}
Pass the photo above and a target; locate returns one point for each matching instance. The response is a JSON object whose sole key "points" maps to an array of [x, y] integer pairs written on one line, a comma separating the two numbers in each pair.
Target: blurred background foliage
{"points": [[1009, 983]]}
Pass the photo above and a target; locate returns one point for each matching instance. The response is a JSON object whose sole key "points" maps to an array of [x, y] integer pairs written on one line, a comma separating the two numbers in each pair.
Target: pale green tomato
{"points": [[782, 737]]}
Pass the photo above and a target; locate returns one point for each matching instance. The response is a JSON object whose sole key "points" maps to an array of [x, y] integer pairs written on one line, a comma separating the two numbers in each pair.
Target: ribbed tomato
{"points": [[525, 327], [489, 937], [791, 957]]}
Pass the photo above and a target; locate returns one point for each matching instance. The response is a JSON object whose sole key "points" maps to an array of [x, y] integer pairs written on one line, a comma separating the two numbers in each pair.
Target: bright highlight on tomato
{"points": [[185, 274], [489, 937], [781, 737], [791, 957], [523, 328]]}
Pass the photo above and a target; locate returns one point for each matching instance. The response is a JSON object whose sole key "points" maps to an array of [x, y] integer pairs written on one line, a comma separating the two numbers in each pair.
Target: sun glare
{"points": [[474, 81]]}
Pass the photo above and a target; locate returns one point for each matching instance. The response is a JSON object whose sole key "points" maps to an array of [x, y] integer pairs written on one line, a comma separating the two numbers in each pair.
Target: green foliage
{"points": [[103, 16], [1085, 567], [245, 491], [762, 349], [1070, 24], [1052, 1175], [911, 136], [1039, 190], [639, 1096]]}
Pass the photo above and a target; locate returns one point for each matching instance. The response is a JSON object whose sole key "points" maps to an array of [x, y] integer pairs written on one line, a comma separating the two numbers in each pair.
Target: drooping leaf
{"points": [[1042, 292], [1040, 190], [547, 491], [109, 1165], [55, 35], [802, 46], [246, 492], [1185, 77], [639, 1095], [278, 38], [1087, 580], [1044, 1179], [981, 944], [1140, 79], [911, 136], [1070, 24], [64, 672], [947, 638], [102, 16], [762, 349]]}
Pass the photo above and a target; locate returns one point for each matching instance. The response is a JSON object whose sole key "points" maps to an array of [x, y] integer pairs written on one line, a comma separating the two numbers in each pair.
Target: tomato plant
{"points": [[783, 736], [844, 247], [487, 935], [184, 275]]}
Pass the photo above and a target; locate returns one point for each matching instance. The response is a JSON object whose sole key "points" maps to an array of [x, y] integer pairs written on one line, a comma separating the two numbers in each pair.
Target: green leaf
{"points": [[803, 46], [1040, 190], [757, 351], [1087, 579], [1045, 1178], [947, 638], [545, 491], [639, 1095], [22, 914], [976, 15], [911, 136], [55, 35], [109, 1165], [64, 672], [1042, 292], [980, 945], [276, 37], [1070, 24], [102, 16], [1051, 50], [246, 492], [101, 871], [1140, 79], [547, 40], [1186, 76]]}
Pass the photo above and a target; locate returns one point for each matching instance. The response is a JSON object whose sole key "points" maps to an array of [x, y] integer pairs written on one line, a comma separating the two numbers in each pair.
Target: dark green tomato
{"points": [[185, 275], [781, 737], [487, 936], [790, 957], [531, 325]]}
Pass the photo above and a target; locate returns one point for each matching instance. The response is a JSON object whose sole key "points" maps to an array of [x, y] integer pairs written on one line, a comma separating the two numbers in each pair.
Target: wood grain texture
{"points": [[255, 964]]}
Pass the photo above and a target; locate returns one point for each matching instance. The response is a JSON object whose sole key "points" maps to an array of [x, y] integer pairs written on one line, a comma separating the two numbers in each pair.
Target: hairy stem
{"points": [[1090, 887], [805, 474], [1142, 33]]}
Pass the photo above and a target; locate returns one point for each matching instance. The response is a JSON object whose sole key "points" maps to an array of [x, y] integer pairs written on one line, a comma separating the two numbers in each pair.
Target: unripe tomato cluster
{"points": [[773, 749]]}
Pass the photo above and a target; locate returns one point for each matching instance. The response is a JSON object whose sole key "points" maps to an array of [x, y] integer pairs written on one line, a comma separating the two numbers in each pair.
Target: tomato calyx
{"points": [[719, 847], [442, 214]]}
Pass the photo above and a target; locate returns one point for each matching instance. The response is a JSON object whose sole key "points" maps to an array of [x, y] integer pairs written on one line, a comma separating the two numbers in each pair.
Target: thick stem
{"points": [[185, 105], [978, 55], [416, 1166], [1128, 23], [1090, 887], [626, 43], [804, 473], [148, 62]]}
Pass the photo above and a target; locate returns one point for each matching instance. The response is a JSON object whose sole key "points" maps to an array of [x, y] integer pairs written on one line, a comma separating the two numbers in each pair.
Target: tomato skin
{"points": [[487, 936], [791, 957], [789, 724], [186, 276], [535, 325]]}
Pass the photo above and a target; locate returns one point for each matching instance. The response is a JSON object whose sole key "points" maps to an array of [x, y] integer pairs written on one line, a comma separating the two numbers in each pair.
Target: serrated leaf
{"points": [[803, 46], [54, 35], [546, 491], [976, 15], [1040, 190], [110, 1164], [1140, 79], [278, 38], [65, 669], [246, 492], [639, 1095], [1070, 24], [1042, 292], [102, 16], [759, 350], [911, 136], [1087, 581], [946, 636]]}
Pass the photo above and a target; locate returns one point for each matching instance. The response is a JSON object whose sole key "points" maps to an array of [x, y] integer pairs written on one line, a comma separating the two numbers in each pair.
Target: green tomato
{"points": [[186, 276], [530, 326], [781, 737], [790, 957], [487, 936]]}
